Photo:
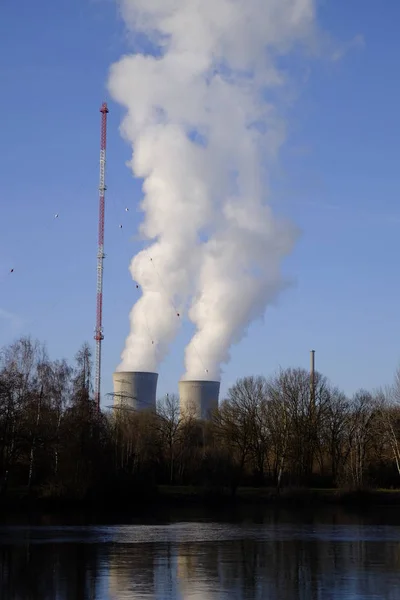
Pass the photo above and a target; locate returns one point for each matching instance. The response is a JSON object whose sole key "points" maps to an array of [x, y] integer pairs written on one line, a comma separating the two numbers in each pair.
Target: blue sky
{"points": [[337, 180]]}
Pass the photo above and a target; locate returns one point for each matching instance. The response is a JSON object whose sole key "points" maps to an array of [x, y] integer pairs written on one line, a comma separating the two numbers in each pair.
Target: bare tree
{"points": [[82, 381], [296, 430], [388, 407], [53, 439], [21, 373], [335, 432], [240, 424], [364, 410], [279, 427], [169, 424], [59, 393]]}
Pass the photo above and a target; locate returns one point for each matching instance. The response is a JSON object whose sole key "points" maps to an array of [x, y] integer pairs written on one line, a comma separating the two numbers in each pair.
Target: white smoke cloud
{"points": [[204, 121]]}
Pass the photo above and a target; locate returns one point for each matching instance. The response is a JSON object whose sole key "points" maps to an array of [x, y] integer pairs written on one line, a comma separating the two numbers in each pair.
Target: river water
{"points": [[197, 555]]}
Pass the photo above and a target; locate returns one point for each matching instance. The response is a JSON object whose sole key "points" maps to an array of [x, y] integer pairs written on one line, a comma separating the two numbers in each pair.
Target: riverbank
{"points": [[184, 496], [287, 496]]}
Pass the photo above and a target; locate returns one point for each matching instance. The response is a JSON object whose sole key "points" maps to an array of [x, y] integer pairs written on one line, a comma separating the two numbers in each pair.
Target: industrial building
{"points": [[198, 399], [135, 390]]}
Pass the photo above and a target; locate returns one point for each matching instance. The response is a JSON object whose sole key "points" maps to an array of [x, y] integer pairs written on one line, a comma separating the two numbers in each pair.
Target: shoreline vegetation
{"points": [[270, 442], [177, 497]]}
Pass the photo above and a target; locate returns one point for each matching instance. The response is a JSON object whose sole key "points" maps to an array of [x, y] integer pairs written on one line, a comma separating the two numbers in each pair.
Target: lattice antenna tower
{"points": [[99, 335]]}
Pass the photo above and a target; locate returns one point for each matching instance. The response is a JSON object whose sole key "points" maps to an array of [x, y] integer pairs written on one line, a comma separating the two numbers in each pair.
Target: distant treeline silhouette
{"points": [[267, 432]]}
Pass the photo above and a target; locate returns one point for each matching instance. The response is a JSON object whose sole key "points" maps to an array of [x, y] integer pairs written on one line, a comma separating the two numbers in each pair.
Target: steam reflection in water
{"points": [[201, 561]]}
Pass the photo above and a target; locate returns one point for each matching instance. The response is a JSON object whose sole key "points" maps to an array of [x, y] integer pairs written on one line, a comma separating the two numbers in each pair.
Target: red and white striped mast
{"points": [[99, 336]]}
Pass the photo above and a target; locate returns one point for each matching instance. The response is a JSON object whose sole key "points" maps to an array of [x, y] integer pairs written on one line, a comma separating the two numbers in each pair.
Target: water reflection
{"points": [[202, 561]]}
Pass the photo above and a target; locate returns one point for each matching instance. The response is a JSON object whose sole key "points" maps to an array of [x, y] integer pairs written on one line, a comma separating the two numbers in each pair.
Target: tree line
{"points": [[266, 432]]}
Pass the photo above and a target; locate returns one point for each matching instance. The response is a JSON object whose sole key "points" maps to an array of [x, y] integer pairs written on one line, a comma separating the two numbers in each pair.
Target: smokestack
{"points": [[198, 399], [136, 390]]}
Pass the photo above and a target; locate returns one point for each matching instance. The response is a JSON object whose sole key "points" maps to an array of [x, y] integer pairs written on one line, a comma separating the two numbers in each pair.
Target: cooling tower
{"points": [[135, 389], [198, 399]]}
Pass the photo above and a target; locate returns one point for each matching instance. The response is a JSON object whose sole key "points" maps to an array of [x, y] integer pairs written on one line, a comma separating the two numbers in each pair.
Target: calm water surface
{"points": [[197, 556]]}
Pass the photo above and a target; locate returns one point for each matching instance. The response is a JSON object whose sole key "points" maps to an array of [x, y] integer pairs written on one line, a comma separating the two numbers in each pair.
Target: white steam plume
{"points": [[204, 125]]}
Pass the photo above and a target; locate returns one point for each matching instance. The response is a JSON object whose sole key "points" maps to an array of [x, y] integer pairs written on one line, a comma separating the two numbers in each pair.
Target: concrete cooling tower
{"points": [[198, 399], [136, 390]]}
